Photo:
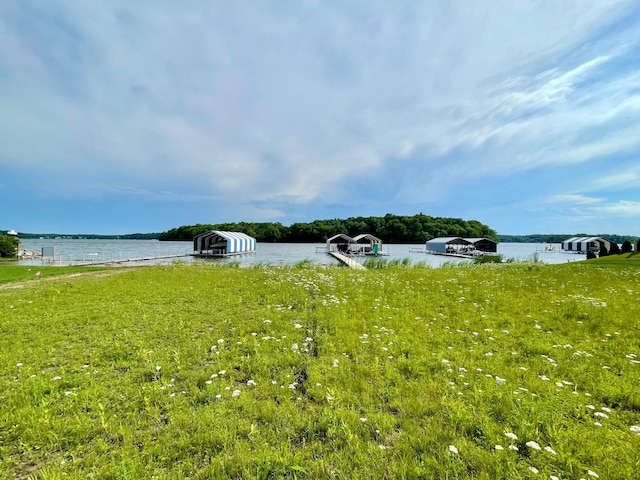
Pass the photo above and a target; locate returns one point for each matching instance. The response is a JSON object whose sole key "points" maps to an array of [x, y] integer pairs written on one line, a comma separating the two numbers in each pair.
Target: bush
{"points": [[603, 251], [615, 249], [591, 255], [626, 247], [9, 246]]}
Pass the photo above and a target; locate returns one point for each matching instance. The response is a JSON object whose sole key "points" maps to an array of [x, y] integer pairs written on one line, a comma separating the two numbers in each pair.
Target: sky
{"points": [[122, 117]]}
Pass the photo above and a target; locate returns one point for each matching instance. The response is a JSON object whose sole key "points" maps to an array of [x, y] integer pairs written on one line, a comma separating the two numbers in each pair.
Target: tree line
{"points": [[390, 229]]}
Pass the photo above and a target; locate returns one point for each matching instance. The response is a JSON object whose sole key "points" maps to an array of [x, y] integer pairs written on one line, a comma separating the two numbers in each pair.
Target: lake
{"points": [[70, 251]]}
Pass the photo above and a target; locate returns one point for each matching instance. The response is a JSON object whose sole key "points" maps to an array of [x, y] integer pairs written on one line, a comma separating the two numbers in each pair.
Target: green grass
{"points": [[339, 373], [621, 259]]}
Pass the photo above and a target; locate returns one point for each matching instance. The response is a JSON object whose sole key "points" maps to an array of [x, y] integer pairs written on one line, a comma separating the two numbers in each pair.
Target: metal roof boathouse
{"points": [[461, 247], [217, 243], [584, 244]]}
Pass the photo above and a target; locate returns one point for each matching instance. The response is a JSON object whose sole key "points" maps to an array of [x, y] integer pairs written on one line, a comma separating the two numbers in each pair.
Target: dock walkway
{"points": [[350, 262]]}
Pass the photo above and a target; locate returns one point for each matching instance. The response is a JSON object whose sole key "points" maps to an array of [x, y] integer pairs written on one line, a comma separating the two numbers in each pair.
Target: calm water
{"points": [[75, 251]]}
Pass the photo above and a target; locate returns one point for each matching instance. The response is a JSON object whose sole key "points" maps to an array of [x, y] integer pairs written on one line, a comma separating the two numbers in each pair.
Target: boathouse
{"points": [[483, 244], [365, 244], [447, 245], [217, 243], [339, 243], [585, 244]]}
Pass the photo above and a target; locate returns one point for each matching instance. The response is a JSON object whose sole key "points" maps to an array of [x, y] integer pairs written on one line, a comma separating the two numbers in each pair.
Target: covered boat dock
{"points": [[217, 243]]}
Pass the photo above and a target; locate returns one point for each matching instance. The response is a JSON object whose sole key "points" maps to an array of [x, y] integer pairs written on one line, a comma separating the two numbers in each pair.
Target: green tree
{"points": [[626, 247], [590, 254], [603, 251], [615, 249], [9, 246]]}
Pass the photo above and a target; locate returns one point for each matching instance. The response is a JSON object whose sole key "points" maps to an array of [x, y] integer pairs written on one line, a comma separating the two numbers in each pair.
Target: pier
{"points": [[349, 262], [98, 260]]}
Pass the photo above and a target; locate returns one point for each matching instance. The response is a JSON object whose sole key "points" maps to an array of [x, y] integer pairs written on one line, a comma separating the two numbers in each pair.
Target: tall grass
{"points": [[196, 371]]}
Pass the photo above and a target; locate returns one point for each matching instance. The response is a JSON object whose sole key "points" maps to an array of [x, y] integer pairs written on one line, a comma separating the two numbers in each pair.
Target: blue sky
{"points": [[120, 117]]}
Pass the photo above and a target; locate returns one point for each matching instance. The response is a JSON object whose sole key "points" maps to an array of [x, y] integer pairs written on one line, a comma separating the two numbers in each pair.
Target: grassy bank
{"points": [[192, 371]]}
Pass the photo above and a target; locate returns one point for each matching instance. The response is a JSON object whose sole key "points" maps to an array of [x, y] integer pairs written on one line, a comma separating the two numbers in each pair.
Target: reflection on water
{"points": [[69, 251]]}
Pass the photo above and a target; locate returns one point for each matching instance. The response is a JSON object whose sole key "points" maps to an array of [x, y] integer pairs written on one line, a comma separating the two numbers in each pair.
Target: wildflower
{"points": [[382, 447], [593, 474], [534, 470], [236, 393], [498, 447], [511, 435], [222, 372], [500, 381], [550, 450], [514, 448], [363, 419], [297, 325], [208, 382], [453, 449], [18, 364], [158, 367], [635, 429], [597, 424], [532, 444], [218, 396], [601, 414], [220, 340], [56, 378], [251, 382]]}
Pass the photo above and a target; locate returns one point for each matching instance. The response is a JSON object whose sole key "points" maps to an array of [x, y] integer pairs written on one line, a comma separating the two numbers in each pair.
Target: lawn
{"points": [[195, 371]]}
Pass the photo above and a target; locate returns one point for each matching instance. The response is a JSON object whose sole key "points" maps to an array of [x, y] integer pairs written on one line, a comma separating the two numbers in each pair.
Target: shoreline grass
{"points": [[197, 371]]}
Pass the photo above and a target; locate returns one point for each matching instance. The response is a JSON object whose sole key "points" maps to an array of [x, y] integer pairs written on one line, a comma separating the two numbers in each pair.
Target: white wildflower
{"points": [[453, 449], [236, 393], [532, 444], [511, 435], [498, 447], [550, 450]]}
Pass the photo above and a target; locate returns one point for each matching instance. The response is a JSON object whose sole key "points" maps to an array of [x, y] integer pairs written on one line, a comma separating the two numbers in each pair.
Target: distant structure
{"points": [[461, 247], [363, 244], [585, 244], [217, 243]]}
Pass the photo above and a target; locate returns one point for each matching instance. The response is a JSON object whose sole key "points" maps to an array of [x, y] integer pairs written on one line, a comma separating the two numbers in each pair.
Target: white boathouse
{"points": [[217, 243]]}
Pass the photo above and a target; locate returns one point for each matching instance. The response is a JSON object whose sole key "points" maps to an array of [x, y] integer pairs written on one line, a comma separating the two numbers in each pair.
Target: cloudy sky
{"points": [[128, 116]]}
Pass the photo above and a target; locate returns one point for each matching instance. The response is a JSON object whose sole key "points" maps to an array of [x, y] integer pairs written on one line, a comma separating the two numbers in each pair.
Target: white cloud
{"points": [[268, 102], [572, 199]]}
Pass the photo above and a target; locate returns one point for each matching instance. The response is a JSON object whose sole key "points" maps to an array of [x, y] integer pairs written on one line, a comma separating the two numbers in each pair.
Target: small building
{"points": [[483, 244], [444, 245], [585, 244], [217, 243]]}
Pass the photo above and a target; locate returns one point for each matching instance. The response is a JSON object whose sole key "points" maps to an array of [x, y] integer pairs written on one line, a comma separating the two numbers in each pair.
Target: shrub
{"points": [[603, 251], [8, 246], [615, 249], [590, 255], [626, 247]]}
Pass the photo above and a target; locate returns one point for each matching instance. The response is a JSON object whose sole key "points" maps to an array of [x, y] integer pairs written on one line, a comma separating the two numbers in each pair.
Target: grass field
{"points": [[193, 371]]}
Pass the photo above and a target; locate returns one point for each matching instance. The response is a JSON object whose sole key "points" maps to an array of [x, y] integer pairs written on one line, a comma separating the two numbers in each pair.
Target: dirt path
{"points": [[94, 274]]}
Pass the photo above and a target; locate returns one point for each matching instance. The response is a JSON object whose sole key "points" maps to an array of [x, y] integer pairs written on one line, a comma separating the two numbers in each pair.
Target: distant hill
{"points": [[89, 236]]}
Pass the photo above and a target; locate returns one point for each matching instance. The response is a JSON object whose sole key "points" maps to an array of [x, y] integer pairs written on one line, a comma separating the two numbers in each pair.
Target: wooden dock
{"points": [[85, 263], [349, 262]]}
